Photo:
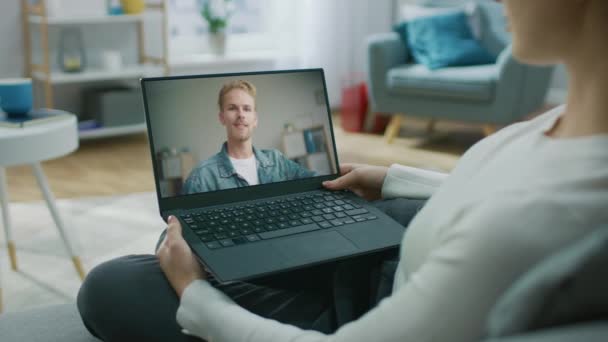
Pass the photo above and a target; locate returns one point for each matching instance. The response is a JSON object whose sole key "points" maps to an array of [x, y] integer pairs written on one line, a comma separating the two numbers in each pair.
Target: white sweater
{"points": [[514, 198]]}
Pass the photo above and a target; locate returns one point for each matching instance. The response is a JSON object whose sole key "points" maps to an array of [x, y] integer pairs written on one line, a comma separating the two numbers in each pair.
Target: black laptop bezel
{"points": [[193, 201]]}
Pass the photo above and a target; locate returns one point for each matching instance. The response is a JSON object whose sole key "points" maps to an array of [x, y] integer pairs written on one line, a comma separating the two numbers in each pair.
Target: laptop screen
{"points": [[216, 132]]}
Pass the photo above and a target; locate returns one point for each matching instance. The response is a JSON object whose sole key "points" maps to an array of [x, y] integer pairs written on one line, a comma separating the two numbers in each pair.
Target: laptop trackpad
{"points": [[315, 247]]}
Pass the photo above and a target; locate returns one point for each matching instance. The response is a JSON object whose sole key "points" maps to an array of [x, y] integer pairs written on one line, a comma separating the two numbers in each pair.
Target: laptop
{"points": [[243, 172]]}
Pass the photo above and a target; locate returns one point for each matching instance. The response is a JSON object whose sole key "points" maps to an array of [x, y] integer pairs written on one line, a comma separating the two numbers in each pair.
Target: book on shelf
{"points": [[315, 140], [33, 118]]}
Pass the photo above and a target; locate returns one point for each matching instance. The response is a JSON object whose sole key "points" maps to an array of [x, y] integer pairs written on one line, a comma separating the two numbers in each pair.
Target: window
{"points": [[249, 27]]}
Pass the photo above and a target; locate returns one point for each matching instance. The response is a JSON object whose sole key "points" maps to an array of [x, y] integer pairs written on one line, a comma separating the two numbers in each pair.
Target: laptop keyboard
{"points": [[267, 219]]}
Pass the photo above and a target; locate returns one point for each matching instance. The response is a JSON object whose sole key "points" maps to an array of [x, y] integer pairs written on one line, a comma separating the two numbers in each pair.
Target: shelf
{"points": [[58, 77], [105, 19], [208, 59], [111, 131]]}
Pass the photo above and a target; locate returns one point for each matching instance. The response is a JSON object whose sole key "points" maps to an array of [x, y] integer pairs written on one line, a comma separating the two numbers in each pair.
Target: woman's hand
{"points": [[177, 260], [364, 180]]}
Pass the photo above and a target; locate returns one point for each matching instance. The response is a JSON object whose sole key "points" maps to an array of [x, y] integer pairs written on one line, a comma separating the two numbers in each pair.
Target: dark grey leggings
{"points": [[129, 298]]}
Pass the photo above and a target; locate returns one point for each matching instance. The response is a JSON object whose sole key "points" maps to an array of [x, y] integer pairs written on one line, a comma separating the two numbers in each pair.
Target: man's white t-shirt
{"points": [[247, 169]]}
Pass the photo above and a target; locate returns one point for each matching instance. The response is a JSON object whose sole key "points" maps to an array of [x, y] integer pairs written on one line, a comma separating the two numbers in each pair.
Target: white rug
{"points": [[101, 228]]}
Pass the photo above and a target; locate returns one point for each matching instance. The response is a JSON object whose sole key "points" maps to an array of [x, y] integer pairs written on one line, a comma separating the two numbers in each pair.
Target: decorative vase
{"points": [[133, 6], [72, 57], [217, 43]]}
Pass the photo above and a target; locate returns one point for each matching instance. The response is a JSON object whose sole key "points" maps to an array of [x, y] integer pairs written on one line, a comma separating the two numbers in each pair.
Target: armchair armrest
{"points": [[506, 62], [384, 51]]}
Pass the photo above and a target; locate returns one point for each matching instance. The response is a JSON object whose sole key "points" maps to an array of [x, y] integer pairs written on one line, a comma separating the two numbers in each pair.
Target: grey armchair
{"points": [[494, 94]]}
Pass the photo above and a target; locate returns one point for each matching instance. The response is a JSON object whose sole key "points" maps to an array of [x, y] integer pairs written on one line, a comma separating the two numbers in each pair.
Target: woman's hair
{"points": [[245, 86]]}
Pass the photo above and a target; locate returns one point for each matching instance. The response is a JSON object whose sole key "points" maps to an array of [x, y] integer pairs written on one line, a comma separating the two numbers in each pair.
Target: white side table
{"points": [[32, 145]]}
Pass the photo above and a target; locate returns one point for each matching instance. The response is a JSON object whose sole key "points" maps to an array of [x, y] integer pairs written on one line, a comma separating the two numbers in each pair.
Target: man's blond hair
{"points": [[245, 86]]}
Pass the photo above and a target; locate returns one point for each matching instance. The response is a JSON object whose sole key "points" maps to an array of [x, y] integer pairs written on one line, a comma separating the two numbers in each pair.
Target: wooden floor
{"points": [[122, 165], [100, 167]]}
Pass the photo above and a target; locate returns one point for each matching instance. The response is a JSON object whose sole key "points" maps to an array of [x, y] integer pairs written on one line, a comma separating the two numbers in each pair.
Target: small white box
{"points": [[76, 8]]}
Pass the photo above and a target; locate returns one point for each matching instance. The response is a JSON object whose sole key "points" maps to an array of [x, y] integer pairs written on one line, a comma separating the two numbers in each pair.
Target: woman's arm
{"points": [[446, 299], [411, 182]]}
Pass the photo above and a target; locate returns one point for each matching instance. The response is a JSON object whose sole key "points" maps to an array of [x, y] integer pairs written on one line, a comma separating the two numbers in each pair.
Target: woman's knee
{"points": [[112, 286]]}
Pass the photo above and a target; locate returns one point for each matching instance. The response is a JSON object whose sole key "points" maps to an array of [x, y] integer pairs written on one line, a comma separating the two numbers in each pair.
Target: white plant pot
{"points": [[217, 43]]}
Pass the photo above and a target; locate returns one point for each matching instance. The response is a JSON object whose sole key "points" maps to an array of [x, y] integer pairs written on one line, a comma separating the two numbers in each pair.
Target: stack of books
{"points": [[33, 118]]}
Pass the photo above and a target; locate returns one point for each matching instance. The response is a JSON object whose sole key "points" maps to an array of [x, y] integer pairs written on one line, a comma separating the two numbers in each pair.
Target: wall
{"points": [[11, 49]]}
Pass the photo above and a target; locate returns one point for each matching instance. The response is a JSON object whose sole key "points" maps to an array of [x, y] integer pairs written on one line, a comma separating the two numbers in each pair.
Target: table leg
{"points": [[6, 219], [50, 201]]}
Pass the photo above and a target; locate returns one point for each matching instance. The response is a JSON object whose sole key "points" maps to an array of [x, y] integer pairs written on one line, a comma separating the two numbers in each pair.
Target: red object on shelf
{"points": [[354, 105]]}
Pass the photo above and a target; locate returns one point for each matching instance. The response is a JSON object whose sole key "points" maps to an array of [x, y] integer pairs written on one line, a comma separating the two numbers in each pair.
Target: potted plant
{"points": [[217, 13]]}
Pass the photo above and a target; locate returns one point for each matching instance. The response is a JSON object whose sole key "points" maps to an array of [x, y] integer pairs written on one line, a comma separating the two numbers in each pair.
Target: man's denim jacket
{"points": [[217, 172]]}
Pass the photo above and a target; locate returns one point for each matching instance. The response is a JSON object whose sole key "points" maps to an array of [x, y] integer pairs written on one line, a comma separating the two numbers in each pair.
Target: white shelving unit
{"points": [[35, 16], [111, 131], [128, 72]]}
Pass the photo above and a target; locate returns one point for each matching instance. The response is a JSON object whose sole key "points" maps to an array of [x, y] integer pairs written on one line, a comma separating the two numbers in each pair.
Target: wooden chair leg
{"points": [[430, 127], [12, 253], [393, 128], [489, 129]]}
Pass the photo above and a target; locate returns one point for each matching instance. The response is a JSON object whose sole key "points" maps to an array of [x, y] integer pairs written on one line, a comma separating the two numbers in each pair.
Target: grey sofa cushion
{"points": [[569, 287], [467, 83], [55, 323]]}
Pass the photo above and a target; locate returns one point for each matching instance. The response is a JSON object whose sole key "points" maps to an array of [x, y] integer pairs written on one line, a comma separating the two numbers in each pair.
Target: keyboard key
{"points": [[289, 231], [337, 222], [329, 216], [348, 221], [316, 212], [258, 229], [252, 238], [270, 227], [221, 236], [246, 231], [283, 225], [207, 238], [318, 218], [356, 212], [348, 207], [340, 215], [227, 242], [213, 245], [294, 223], [325, 224], [240, 240], [233, 234], [204, 232], [306, 221]]}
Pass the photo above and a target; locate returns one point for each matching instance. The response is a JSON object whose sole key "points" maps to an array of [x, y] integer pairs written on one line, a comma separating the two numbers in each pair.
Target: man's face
{"points": [[238, 115]]}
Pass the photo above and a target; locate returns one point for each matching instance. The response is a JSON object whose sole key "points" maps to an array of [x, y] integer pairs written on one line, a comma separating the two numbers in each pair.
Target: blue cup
{"points": [[16, 96]]}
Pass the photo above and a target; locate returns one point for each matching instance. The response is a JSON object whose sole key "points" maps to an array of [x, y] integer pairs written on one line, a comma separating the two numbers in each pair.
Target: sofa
{"points": [[564, 298]]}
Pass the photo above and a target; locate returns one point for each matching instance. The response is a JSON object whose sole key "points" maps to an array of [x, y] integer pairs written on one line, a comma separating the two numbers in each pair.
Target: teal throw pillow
{"points": [[443, 40]]}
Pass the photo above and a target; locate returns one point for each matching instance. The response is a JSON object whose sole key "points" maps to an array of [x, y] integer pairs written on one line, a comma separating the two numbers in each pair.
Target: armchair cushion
{"points": [[445, 40], [471, 83]]}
